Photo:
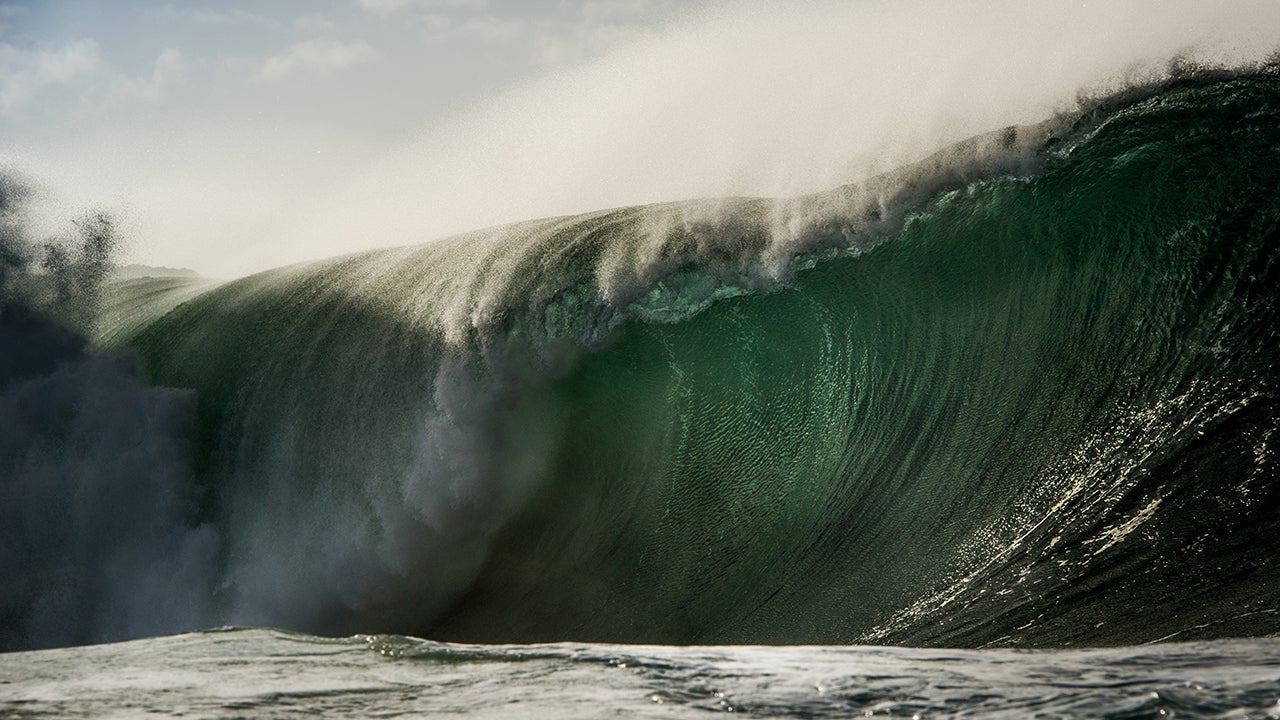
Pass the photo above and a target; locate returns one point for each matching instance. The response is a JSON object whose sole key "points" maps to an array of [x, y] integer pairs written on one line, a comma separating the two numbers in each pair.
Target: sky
{"points": [[234, 136], [209, 123]]}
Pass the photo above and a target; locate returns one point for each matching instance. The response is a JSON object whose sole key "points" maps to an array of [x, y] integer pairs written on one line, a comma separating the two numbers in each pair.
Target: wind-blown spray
{"points": [[96, 483]]}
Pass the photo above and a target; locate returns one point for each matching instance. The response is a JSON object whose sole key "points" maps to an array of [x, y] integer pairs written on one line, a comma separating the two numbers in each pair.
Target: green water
{"points": [[1026, 409]]}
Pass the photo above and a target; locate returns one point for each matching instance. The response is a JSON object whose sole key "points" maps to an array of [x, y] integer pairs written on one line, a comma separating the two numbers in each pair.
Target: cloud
{"points": [[491, 28], [8, 13], [169, 68], [210, 18], [483, 28], [233, 16], [387, 7], [545, 41], [580, 31], [313, 56], [314, 23], [24, 73], [604, 11]]}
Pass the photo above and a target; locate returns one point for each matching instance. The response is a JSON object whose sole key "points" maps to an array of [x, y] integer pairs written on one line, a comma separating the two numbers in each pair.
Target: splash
{"points": [[96, 484]]}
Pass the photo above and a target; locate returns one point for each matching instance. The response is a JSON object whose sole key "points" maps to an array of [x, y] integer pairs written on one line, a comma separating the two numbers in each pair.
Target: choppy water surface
{"points": [[266, 673]]}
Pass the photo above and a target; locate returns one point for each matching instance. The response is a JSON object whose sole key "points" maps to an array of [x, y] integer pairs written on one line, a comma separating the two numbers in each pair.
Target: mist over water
{"points": [[769, 100], [96, 473]]}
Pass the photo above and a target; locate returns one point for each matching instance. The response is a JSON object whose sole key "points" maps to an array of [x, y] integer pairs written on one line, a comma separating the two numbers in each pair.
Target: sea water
{"points": [[243, 672]]}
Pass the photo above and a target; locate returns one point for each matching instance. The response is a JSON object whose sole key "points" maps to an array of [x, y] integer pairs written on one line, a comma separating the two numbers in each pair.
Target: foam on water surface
{"points": [[265, 673]]}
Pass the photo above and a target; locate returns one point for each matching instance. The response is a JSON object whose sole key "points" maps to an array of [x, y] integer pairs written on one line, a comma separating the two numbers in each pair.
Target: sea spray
{"points": [[1041, 392], [96, 480]]}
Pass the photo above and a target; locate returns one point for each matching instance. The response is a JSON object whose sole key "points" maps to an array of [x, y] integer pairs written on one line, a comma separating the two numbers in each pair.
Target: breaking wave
{"points": [[1021, 393]]}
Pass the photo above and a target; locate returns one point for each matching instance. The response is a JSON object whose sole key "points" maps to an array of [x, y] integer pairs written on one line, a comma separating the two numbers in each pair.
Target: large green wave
{"points": [[1022, 394]]}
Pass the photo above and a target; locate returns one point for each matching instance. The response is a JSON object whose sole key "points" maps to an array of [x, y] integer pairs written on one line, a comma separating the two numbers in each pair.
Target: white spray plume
{"points": [[770, 99]]}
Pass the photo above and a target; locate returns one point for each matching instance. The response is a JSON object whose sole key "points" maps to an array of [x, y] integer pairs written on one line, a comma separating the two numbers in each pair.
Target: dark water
{"points": [[1021, 394]]}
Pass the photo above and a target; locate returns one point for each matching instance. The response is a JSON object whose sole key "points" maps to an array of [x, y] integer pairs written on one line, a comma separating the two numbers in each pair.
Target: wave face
{"points": [[1024, 394]]}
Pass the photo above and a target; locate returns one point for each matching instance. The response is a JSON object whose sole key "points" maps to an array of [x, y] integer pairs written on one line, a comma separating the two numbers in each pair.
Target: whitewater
{"points": [[263, 673], [989, 434]]}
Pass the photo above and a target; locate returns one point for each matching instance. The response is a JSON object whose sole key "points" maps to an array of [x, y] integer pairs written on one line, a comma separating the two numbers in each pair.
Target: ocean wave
{"points": [[1021, 393]]}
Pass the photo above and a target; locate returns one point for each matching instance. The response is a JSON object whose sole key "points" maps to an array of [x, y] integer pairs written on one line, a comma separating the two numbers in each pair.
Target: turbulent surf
{"points": [[1022, 393]]}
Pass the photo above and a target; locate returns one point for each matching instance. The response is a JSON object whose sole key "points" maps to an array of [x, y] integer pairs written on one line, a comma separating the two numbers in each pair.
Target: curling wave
{"points": [[1022, 393]]}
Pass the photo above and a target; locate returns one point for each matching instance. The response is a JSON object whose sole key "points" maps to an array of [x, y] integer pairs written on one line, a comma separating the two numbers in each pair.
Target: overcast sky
{"points": [[235, 135]]}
